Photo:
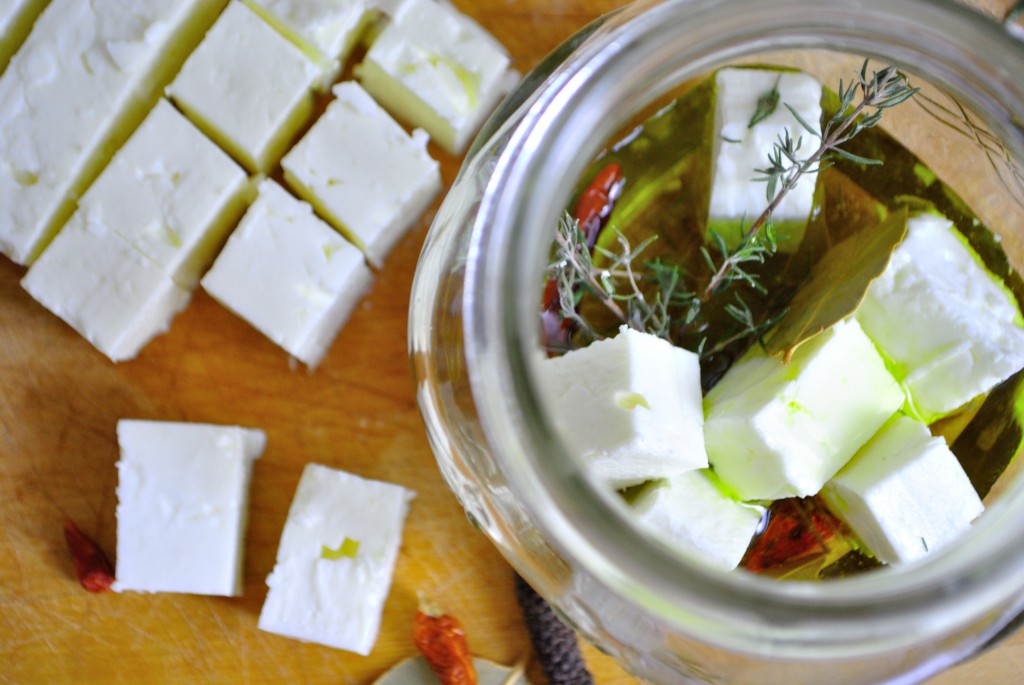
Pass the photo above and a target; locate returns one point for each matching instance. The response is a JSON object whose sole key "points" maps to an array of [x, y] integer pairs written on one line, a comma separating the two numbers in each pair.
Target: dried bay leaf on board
{"points": [[416, 671], [837, 284]]}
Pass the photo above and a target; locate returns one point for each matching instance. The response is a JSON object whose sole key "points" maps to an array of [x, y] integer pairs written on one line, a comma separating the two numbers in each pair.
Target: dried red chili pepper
{"points": [[796, 529], [92, 567], [442, 641]]}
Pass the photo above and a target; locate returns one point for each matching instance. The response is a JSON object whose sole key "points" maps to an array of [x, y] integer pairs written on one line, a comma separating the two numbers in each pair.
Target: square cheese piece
{"points": [[949, 329], [247, 87], [289, 274], [171, 193], [904, 494], [16, 17], [336, 559], [437, 69], [84, 78], [325, 28], [101, 286], [182, 506], [777, 430], [363, 172], [629, 406], [741, 145], [693, 514]]}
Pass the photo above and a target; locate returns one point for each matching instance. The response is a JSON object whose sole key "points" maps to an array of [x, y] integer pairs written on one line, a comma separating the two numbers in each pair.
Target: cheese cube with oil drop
{"points": [[743, 141], [324, 29], [289, 274], [948, 328], [437, 69], [629, 406], [777, 430], [363, 172], [182, 506], [336, 559], [693, 513], [247, 87], [904, 494]]}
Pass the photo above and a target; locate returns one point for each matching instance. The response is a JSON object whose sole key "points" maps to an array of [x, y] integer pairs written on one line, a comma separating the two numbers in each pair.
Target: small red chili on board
{"points": [[92, 567], [442, 641], [796, 529]]}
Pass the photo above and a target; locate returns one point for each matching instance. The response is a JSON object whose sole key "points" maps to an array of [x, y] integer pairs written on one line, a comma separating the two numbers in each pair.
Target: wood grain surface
{"points": [[59, 404]]}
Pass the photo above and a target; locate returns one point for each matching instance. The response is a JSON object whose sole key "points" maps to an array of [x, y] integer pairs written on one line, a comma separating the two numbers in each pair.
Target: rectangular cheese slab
{"points": [[182, 506], [289, 274], [335, 560], [778, 430], [363, 172], [170, 193], [629, 406], [948, 328], [247, 87], [740, 146], [16, 17], [84, 78], [904, 494], [437, 69], [692, 514]]}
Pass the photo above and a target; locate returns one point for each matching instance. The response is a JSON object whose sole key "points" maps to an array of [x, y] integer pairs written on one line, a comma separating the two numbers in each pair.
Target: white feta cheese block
{"points": [[693, 514], [326, 28], [739, 148], [904, 494], [104, 288], [84, 78], [247, 87], [170, 193], [182, 506], [16, 17], [321, 589], [949, 329], [289, 274], [363, 172], [629, 406], [777, 430], [437, 69]]}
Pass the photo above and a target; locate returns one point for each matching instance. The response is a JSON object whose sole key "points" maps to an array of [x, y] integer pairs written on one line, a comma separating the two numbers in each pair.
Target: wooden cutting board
{"points": [[59, 404]]}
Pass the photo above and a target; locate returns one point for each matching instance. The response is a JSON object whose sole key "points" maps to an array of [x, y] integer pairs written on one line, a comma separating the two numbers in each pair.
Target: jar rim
{"points": [[565, 122]]}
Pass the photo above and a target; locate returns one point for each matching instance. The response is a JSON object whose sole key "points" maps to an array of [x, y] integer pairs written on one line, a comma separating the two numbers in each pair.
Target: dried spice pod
{"points": [[554, 643], [92, 568]]}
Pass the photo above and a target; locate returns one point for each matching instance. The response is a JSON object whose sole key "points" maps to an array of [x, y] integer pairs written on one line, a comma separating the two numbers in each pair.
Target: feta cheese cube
{"points": [[289, 274], [182, 506], [739, 148], [778, 430], [692, 513], [630, 406], [104, 288], [247, 87], [904, 494], [16, 17], [320, 591], [437, 69], [326, 28], [363, 172], [949, 329], [170, 193], [84, 78]]}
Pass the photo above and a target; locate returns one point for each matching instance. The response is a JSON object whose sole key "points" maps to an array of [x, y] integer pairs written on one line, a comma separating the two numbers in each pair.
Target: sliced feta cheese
{"points": [[949, 329], [904, 494], [630, 406], [81, 82], [437, 69], [247, 87], [182, 506], [692, 513], [778, 430], [335, 560], [170, 193], [16, 17], [289, 274], [327, 28], [739, 148], [363, 172], [104, 288]]}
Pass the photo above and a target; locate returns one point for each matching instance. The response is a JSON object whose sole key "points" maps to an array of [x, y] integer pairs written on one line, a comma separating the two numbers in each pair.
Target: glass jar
{"points": [[475, 332]]}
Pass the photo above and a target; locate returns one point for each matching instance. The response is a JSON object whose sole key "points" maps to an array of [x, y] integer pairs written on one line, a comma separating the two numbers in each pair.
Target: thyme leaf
{"points": [[766, 105]]}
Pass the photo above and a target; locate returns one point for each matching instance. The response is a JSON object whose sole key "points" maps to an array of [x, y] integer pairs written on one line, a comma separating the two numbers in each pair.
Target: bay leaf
{"points": [[837, 284], [416, 671]]}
